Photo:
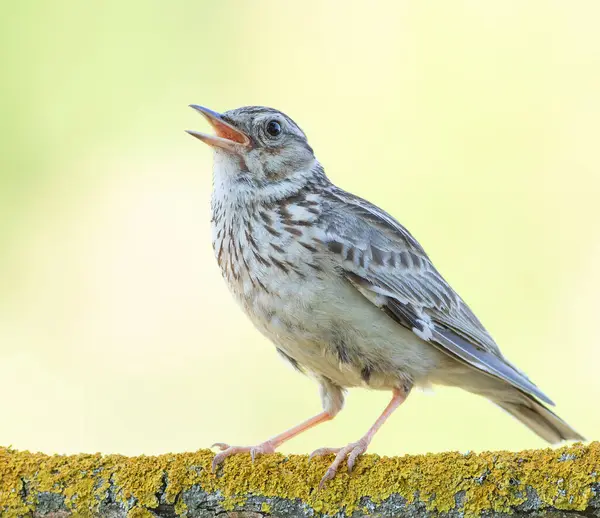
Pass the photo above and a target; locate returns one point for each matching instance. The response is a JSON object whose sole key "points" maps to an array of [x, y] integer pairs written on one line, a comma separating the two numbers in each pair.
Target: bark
{"points": [[557, 483]]}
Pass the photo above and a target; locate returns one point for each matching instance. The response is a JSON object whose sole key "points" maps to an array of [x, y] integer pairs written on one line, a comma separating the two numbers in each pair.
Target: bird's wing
{"points": [[388, 265]]}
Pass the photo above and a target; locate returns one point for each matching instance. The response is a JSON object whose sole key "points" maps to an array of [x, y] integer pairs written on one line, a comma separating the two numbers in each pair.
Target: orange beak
{"points": [[227, 137]]}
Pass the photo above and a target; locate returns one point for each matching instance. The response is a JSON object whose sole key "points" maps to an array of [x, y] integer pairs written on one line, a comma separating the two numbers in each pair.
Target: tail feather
{"points": [[539, 419], [517, 402]]}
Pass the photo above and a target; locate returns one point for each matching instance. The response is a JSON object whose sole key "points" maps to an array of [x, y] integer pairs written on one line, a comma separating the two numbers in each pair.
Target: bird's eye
{"points": [[273, 128]]}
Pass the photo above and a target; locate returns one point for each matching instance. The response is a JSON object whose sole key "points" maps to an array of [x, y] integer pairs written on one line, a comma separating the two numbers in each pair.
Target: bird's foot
{"points": [[351, 452], [227, 450]]}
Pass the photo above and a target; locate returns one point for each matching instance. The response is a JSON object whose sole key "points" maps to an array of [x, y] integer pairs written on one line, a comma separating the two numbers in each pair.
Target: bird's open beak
{"points": [[227, 137]]}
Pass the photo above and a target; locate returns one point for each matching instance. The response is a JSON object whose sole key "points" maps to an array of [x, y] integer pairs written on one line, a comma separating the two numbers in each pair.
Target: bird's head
{"points": [[257, 145]]}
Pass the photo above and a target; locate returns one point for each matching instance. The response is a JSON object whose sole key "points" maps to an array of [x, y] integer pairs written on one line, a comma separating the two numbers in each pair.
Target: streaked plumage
{"points": [[343, 290]]}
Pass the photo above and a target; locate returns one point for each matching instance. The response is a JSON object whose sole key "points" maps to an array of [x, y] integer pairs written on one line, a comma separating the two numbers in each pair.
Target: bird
{"points": [[345, 293]]}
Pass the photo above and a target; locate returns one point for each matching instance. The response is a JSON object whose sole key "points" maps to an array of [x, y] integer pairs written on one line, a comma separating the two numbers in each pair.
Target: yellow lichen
{"points": [[489, 481], [139, 512]]}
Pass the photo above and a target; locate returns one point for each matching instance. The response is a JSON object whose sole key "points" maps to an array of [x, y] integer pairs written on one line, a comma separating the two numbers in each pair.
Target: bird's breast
{"points": [[267, 254]]}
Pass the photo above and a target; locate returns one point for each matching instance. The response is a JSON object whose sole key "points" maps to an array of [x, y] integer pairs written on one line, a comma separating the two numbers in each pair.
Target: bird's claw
{"points": [[351, 452], [227, 451]]}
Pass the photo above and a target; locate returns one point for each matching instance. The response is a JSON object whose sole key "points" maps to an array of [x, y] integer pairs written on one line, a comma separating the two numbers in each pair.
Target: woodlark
{"points": [[346, 293]]}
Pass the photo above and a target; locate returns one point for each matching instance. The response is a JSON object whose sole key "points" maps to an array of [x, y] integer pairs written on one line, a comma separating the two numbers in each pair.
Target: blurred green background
{"points": [[476, 124]]}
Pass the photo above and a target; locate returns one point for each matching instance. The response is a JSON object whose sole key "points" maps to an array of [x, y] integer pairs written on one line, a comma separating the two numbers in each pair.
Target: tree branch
{"points": [[554, 483]]}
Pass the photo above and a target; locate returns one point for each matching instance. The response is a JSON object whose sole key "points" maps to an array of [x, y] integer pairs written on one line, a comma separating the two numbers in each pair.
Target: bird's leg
{"points": [[270, 445], [354, 449]]}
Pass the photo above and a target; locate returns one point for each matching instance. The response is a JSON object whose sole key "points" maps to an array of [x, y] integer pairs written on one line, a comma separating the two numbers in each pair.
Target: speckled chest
{"points": [[268, 254]]}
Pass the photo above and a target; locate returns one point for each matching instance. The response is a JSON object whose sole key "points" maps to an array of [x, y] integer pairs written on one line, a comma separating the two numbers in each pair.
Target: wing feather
{"points": [[379, 255]]}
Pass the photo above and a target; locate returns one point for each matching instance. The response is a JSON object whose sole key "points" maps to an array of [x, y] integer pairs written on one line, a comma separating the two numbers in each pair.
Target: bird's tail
{"points": [[536, 417], [518, 403]]}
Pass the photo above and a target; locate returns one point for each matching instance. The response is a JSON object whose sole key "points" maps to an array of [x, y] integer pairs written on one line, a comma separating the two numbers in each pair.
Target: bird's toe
{"points": [[349, 453], [265, 447], [323, 451], [359, 448], [227, 451]]}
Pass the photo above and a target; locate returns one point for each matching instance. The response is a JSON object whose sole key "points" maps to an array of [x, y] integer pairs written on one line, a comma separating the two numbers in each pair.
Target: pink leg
{"points": [[270, 445], [354, 449]]}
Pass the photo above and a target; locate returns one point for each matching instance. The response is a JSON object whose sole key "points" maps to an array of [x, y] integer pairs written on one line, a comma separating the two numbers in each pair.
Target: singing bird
{"points": [[346, 294]]}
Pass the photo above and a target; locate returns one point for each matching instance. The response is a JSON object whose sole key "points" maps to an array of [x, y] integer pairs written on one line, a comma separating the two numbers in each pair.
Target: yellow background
{"points": [[476, 124]]}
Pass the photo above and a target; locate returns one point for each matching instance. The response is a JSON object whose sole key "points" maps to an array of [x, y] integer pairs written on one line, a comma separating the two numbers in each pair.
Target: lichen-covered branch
{"points": [[558, 483]]}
